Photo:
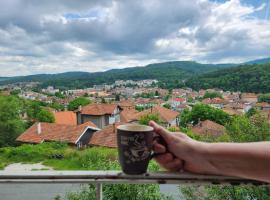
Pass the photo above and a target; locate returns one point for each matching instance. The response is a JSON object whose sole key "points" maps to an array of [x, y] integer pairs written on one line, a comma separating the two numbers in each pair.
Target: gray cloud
{"points": [[66, 35]]}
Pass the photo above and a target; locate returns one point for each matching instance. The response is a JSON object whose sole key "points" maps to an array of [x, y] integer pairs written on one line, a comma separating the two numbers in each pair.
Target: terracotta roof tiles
{"points": [[54, 132], [208, 127], [98, 109], [67, 117], [165, 114], [105, 137]]}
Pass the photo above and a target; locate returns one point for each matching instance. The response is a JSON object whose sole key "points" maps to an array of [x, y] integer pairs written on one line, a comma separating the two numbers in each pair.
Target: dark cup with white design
{"points": [[135, 144]]}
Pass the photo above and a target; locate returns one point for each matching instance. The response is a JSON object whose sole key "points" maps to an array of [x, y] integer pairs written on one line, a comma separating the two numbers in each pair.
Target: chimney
{"points": [[80, 108], [39, 128]]}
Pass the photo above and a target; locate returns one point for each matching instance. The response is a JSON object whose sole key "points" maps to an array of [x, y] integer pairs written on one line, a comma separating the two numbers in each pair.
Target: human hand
{"points": [[182, 152]]}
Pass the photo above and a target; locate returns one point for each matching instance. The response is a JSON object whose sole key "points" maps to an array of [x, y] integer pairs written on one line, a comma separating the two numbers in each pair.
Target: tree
{"points": [[203, 112], [15, 92], [80, 101], [150, 117], [212, 95], [45, 116], [10, 123], [103, 100], [156, 93], [32, 109], [248, 129], [59, 95], [57, 106], [264, 98], [168, 106], [117, 97]]}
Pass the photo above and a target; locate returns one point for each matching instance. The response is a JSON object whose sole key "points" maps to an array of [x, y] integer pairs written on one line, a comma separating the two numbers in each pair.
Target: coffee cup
{"points": [[135, 144]]}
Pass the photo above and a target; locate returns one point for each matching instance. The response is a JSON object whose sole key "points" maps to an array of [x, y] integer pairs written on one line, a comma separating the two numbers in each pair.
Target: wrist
{"points": [[203, 153]]}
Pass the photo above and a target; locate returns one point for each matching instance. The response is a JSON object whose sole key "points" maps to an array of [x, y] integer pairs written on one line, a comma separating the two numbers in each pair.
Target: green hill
{"points": [[168, 72], [259, 61], [246, 78]]}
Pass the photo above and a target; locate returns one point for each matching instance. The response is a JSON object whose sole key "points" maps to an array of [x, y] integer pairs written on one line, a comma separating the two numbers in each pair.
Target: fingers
{"points": [[168, 162], [158, 148], [164, 158], [166, 135]]}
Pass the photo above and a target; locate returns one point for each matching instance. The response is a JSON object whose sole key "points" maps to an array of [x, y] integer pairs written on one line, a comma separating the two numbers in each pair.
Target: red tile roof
{"points": [[208, 127], [179, 99], [98, 109], [127, 115], [126, 104], [166, 115], [67, 117], [106, 137], [54, 132]]}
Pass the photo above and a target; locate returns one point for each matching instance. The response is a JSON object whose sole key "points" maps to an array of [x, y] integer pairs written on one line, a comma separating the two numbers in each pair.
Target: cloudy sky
{"points": [[95, 35]]}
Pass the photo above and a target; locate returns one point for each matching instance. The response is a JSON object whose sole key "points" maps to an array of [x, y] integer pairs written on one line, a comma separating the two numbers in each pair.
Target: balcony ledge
{"points": [[119, 177]]}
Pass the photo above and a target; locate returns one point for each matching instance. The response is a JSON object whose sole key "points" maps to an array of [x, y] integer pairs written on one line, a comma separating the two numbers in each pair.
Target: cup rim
{"points": [[135, 128]]}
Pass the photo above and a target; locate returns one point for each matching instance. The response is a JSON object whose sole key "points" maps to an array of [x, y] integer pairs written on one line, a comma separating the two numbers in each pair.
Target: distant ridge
{"points": [[259, 61], [167, 72]]}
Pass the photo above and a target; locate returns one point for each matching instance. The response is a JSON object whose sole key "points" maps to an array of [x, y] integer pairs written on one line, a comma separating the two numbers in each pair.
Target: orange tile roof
{"points": [[208, 127], [106, 137], [54, 132], [98, 109], [126, 104], [127, 115], [166, 115], [231, 111], [67, 117], [262, 104]]}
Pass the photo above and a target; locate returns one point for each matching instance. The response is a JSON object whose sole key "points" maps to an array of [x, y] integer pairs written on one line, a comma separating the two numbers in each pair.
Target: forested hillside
{"points": [[169, 73], [245, 78]]}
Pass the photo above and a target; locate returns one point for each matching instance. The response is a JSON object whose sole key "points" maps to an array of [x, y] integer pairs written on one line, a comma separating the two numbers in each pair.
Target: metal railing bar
{"points": [[119, 177]]}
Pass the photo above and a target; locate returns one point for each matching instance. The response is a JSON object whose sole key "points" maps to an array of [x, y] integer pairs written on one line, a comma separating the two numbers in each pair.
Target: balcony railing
{"points": [[100, 177]]}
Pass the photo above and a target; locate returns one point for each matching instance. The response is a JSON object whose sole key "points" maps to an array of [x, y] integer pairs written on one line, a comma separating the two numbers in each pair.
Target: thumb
{"points": [[165, 134]]}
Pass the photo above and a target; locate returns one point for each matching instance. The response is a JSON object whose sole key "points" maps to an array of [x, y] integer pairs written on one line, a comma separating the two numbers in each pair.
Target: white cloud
{"points": [[58, 36]]}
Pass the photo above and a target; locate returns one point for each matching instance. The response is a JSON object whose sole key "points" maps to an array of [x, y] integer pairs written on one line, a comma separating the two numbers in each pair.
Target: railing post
{"points": [[99, 191]]}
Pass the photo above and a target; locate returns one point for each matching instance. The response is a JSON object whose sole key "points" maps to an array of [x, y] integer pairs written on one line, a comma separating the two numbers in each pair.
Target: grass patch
{"points": [[95, 158]]}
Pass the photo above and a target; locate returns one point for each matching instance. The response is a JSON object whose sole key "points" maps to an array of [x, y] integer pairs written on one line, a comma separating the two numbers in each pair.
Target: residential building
{"points": [[168, 117], [249, 97], [47, 132], [126, 104], [107, 137], [127, 115], [263, 106], [208, 127], [100, 114], [66, 117]]}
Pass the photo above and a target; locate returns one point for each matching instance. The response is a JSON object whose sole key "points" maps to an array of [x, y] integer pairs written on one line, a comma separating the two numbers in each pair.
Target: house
{"points": [[127, 115], [238, 106], [182, 107], [266, 113], [208, 127], [232, 111], [66, 117], [175, 102], [76, 135], [249, 97], [168, 117], [105, 137], [126, 105], [100, 114], [215, 102], [263, 106]]}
